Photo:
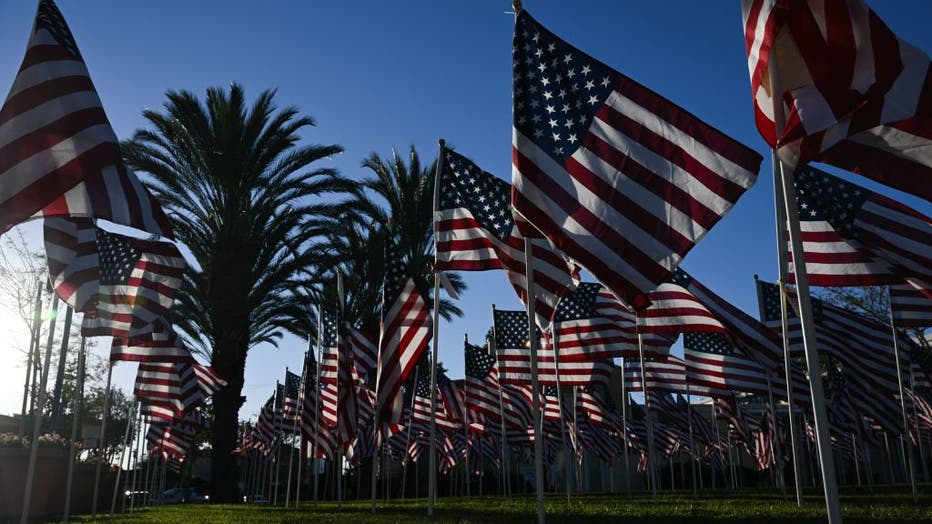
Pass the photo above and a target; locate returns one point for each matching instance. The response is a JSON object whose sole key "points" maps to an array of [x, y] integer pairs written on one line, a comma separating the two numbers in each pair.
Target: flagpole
{"points": [[281, 439], [75, 420], [776, 449], [922, 460], [899, 380], [290, 451], [404, 479], [299, 418], [783, 178], [134, 460], [314, 451], [123, 446], [534, 340], [692, 442], [33, 349], [624, 423], [783, 267], [37, 413], [432, 459], [563, 428], [650, 425], [506, 471], [100, 438]]}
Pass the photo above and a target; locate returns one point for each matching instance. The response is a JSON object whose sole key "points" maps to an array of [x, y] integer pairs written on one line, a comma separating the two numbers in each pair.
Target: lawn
{"points": [[678, 508]]}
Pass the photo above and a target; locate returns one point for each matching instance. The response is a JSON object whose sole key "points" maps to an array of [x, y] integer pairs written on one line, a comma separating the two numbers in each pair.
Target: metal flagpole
{"points": [[278, 450], [854, 451], [563, 428], [124, 444], [776, 450], [506, 470], [922, 459], [432, 458], [404, 478], [899, 379], [783, 178], [535, 383], [56, 426], [297, 421], [624, 423], [75, 420], [315, 447], [692, 442], [338, 452], [33, 351], [100, 439], [651, 449], [290, 453], [134, 460], [37, 415]]}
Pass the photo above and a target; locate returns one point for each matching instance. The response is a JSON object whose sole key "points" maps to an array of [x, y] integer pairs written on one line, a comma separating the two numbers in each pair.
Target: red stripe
{"points": [[48, 136], [608, 276], [36, 54]]}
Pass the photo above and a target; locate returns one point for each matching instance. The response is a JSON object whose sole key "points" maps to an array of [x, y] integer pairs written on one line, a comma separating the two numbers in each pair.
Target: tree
{"points": [[242, 197], [395, 199]]}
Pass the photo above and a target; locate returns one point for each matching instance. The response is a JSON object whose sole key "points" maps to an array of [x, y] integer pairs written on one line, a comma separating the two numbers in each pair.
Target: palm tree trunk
{"points": [[226, 403]]}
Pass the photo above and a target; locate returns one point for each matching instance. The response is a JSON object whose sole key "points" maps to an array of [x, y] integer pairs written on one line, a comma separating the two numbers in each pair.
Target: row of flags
{"points": [[60, 162]]}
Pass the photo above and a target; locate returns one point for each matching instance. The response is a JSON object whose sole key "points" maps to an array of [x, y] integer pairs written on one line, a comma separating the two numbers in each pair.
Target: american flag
{"points": [[59, 157], [121, 283], [617, 177], [483, 390], [661, 374], [172, 439], [854, 95], [476, 232], [453, 397], [598, 411], [422, 407], [591, 323], [291, 413], [365, 349], [405, 333], [727, 407], [208, 379], [911, 306], [269, 424], [713, 362], [173, 389], [512, 345], [855, 237], [864, 348], [551, 401], [161, 344], [329, 358]]}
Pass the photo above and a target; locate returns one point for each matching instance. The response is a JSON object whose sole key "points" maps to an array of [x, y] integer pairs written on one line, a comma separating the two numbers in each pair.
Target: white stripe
{"points": [[47, 113], [42, 163], [45, 72], [571, 228]]}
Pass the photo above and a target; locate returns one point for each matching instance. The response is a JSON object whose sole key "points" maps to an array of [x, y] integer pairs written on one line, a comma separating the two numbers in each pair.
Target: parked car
{"points": [[183, 495], [257, 498], [137, 498]]}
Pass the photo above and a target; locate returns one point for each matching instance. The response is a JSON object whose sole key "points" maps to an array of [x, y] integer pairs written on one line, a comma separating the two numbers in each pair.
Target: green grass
{"points": [[673, 508]]}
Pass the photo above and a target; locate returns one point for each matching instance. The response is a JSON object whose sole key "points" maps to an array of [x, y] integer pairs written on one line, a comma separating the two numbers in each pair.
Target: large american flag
{"points": [[512, 344], [855, 237], [863, 346], [405, 333], [853, 94], [291, 406], [620, 179], [122, 284], [59, 155], [476, 231]]}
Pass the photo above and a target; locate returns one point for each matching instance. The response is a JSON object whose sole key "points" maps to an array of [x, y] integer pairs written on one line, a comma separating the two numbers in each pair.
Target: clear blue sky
{"points": [[379, 75]]}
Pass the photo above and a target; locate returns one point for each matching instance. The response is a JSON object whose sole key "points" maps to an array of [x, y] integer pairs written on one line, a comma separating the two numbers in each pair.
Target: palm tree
{"points": [[397, 199], [243, 198]]}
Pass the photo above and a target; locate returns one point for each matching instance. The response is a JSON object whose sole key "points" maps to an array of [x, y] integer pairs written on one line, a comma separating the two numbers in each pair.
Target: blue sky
{"points": [[382, 75]]}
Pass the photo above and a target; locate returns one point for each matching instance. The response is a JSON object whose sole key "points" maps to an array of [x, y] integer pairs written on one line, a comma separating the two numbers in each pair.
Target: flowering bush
{"points": [[53, 440], [12, 440]]}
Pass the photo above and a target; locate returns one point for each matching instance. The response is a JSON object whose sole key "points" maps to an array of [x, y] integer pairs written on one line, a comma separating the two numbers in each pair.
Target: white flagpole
{"points": [[535, 383], [75, 420], [37, 415], [899, 379], [783, 178], [297, 422], [290, 451], [338, 452], [776, 450], [432, 459], [404, 478], [651, 449], [314, 452], [506, 471], [624, 429], [563, 428], [783, 267], [124, 444], [692, 441], [100, 439]]}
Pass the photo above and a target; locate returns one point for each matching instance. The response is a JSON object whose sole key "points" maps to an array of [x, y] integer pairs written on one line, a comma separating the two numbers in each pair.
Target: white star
{"points": [[556, 136], [550, 109], [571, 73], [606, 81], [548, 95], [586, 69], [567, 59], [551, 47], [553, 123], [590, 84], [593, 100], [545, 81]]}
